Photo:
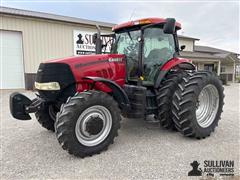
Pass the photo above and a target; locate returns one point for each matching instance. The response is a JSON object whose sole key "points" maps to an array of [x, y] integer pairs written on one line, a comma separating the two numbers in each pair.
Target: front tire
{"points": [[46, 117], [197, 104], [88, 123]]}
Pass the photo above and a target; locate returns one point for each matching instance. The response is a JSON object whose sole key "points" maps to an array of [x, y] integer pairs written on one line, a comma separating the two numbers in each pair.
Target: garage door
{"points": [[11, 60]]}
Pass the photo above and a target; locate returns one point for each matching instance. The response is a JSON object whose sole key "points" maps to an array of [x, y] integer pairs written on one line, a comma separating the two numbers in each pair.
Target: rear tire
{"points": [[80, 123], [197, 104], [164, 98]]}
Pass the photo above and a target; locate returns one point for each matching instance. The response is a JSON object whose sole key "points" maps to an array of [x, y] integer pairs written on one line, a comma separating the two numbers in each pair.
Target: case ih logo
{"points": [[115, 59], [83, 42]]}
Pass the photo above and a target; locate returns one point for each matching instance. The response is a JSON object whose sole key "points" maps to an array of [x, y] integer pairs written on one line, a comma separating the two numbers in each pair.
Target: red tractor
{"points": [[82, 98]]}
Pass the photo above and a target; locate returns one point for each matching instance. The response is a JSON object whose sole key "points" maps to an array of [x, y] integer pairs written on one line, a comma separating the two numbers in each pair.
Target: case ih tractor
{"points": [[82, 98]]}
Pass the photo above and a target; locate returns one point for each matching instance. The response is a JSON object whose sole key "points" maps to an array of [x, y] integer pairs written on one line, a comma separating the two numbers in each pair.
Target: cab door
{"points": [[128, 44], [157, 50]]}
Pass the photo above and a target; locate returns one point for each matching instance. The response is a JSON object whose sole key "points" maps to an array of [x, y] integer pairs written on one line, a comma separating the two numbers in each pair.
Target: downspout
{"points": [[234, 69], [219, 67]]}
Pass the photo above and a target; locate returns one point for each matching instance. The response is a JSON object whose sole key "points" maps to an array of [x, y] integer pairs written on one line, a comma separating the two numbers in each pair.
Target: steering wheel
{"points": [[132, 47], [131, 52]]}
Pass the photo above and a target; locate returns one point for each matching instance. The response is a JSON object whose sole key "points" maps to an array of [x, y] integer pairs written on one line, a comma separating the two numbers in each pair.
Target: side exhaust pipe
{"points": [[97, 40]]}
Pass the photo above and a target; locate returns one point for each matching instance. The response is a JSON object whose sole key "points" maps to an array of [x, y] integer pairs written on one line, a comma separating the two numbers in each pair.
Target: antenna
{"points": [[132, 14]]}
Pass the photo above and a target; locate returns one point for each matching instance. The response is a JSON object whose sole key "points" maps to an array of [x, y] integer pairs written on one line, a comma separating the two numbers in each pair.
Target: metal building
{"points": [[27, 38]]}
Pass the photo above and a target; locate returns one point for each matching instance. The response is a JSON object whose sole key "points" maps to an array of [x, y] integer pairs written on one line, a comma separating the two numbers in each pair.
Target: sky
{"points": [[215, 23]]}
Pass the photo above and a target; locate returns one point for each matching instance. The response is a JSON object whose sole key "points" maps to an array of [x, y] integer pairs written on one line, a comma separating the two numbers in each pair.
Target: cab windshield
{"points": [[157, 49], [127, 43]]}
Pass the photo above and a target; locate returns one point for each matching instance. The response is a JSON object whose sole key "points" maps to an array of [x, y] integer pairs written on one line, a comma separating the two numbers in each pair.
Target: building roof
{"points": [[211, 50], [194, 54], [33, 14], [202, 52], [187, 37]]}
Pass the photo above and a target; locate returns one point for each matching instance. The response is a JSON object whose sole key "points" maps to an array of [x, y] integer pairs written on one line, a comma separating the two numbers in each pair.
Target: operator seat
{"points": [[157, 55], [155, 58]]}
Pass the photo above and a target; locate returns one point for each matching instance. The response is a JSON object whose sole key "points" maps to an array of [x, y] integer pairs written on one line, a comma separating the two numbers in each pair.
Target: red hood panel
{"points": [[99, 65], [84, 58]]}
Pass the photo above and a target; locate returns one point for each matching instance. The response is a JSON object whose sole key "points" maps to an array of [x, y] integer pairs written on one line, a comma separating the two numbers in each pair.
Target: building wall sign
{"points": [[82, 41]]}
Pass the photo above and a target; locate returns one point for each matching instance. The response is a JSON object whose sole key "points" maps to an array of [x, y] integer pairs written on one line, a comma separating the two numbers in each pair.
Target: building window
{"points": [[209, 67], [223, 69]]}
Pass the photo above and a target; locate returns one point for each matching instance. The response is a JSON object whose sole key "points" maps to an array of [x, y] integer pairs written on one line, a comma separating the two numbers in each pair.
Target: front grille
{"points": [[56, 72]]}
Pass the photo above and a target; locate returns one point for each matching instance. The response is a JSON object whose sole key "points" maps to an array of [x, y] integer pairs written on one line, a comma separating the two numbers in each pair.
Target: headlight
{"points": [[47, 86]]}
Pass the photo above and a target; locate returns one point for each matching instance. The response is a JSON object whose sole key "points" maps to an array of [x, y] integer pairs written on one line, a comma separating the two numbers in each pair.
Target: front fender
{"points": [[118, 93]]}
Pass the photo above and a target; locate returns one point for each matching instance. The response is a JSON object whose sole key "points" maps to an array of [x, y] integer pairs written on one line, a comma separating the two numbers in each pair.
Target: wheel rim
{"points": [[93, 125], [207, 105]]}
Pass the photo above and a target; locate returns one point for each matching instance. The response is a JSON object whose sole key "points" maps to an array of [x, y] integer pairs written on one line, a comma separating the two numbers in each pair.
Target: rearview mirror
{"points": [[169, 26], [182, 47]]}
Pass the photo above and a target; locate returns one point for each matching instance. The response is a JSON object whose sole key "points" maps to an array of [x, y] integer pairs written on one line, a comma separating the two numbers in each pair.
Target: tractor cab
{"points": [[147, 45]]}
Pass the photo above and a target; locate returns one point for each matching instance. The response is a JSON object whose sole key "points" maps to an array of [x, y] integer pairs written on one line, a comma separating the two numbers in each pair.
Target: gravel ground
{"points": [[141, 151]]}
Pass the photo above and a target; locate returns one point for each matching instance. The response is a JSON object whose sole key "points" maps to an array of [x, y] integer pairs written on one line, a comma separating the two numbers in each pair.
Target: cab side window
{"points": [[158, 48]]}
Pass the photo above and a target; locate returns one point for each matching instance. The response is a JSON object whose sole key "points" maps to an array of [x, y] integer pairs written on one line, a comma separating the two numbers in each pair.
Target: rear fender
{"points": [[118, 93], [175, 63]]}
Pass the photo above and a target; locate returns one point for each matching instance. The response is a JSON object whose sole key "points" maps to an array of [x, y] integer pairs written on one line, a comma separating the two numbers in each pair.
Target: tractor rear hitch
{"points": [[21, 106]]}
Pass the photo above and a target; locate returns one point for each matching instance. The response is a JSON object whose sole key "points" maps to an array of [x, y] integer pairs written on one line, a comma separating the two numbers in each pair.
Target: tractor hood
{"points": [[68, 73], [89, 65], [84, 60], [99, 65], [72, 70]]}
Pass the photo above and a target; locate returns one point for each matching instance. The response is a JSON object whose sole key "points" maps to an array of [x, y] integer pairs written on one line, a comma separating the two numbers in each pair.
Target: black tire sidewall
{"points": [[212, 80], [44, 118], [164, 114], [73, 145]]}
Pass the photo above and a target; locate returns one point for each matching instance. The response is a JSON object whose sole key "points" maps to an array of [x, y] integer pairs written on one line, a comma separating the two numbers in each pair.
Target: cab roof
{"points": [[143, 21]]}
